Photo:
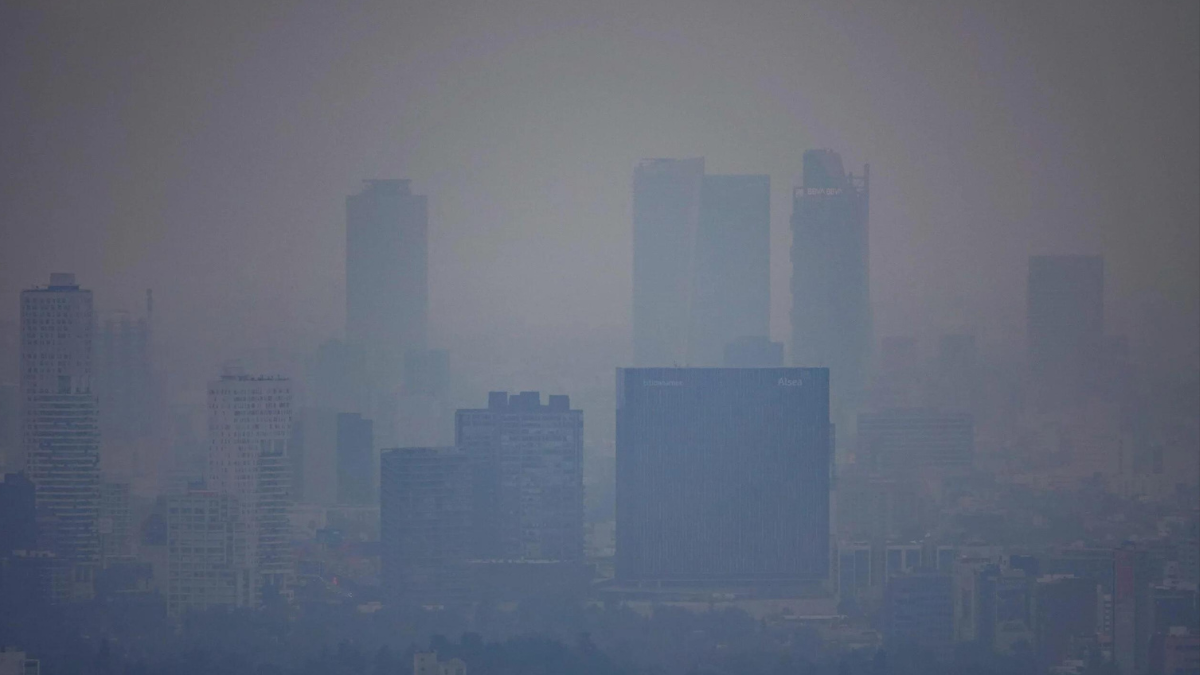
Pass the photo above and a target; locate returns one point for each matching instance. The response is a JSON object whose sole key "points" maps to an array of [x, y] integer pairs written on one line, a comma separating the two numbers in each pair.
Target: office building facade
{"points": [[723, 475], [701, 261], [916, 438], [209, 553], [60, 429], [732, 291], [387, 286], [425, 518], [249, 426], [355, 460], [527, 459], [831, 299], [666, 215]]}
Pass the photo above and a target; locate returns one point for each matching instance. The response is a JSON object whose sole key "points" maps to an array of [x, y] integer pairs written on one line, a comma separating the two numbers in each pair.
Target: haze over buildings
{"points": [[941, 415]]}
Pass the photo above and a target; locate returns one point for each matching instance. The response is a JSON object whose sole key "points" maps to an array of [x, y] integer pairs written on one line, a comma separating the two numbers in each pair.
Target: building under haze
{"points": [[723, 476], [1065, 315], [701, 261], [387, 285], [355, 460], [209, 556], [904, 438], [60, 427], [124, 376], [831, 299], [249, 425], [732, 290], [527, 459], [425, 520], [666, 215]]}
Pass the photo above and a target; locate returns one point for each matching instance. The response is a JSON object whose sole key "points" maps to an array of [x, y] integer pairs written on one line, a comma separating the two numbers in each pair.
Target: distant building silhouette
{"points": [[723, 475], [425, 518], [732, 292], [355, 460], [831, 299], [666, 215], [1065, 315], [61, 435], [701, 270], [527, 459], [125, 377], [387, 286], [312, 451], [903, 438]]}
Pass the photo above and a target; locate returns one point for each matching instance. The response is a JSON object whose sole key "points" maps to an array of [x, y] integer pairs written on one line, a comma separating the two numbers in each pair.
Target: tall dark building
{"points": [[732, 293], [1065, 314], [425, 518], [666, 213], [355, 460], [60, 425], [831, 299], [723, 475], [527, 460], [387, 287]]}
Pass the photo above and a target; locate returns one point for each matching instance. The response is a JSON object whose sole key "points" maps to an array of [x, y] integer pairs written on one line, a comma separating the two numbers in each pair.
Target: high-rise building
{"points": [[249, 424], [339, 377], [732, 293], [723, 475], [527, 460], [313, 454], [666, 215], [1065, 314], [387, 286], [209, 557], [831, 300], [701, 261], [355, 460], [60, 429], [916, 438], [125, 377], [425, 516]]}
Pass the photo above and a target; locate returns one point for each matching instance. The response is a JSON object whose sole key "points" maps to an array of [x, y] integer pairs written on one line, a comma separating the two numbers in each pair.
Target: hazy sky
{"points": [[205, 150]]}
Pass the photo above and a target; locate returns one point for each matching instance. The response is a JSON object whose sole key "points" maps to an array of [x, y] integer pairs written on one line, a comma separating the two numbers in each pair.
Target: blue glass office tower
{"points": [[723, 475]]}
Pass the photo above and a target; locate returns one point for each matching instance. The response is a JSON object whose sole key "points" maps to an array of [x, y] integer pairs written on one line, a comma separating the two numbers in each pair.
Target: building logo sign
{"points": [[788, 382]]}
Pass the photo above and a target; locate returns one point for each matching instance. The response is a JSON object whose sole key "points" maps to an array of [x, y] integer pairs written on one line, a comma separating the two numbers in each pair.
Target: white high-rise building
{"points": [[249, 424], [60, 433]]}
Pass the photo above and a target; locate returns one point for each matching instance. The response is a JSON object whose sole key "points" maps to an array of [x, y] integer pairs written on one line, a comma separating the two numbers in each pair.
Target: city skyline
{"points": [[869, 334]]}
